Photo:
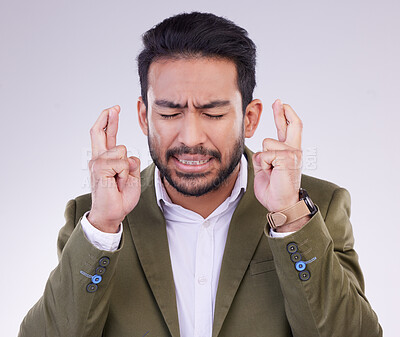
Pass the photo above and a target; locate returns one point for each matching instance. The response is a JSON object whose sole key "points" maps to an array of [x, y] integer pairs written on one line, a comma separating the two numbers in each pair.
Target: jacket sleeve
{"points": [[74, 303], [320, 276]]}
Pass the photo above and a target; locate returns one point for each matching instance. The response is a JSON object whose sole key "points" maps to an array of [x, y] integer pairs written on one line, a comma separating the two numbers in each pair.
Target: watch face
{"points": [[304, 196]]}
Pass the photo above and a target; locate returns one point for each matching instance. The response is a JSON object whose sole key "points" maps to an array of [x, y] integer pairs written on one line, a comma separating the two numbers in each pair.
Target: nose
{"points": [[191, 132]]}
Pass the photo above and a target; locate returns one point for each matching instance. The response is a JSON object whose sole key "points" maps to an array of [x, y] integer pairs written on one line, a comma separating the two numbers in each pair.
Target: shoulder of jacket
{"points": [[320, 191]]}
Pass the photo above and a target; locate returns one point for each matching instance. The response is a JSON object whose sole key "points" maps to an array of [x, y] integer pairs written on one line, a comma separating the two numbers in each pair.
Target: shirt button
{"points": [[206, 223], [202, 280]]}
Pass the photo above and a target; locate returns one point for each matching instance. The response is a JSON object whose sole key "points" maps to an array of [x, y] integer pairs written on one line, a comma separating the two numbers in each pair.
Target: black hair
{"points": [[198, 34]]}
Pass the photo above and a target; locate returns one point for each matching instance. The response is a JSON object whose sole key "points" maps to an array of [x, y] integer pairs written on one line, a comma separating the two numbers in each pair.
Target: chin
{"points": [[195, 185]]}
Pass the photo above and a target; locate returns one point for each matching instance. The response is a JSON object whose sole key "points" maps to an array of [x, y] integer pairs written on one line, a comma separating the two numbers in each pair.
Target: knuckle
{"points": [[268, 143], [299, 155], [296, 157], [299, 122], [288, 154], [265, 141], [94, 165], [293, 155], [123, 161], [112, 153], [122, 150], [126, 164]]}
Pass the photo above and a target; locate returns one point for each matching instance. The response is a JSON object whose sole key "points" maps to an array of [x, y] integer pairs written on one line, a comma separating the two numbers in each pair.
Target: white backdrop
{"points": [[62, 62]]}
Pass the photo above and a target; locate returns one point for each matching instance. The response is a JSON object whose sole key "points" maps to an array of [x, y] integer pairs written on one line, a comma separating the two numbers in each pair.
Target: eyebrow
{"points": [[213, 104]]}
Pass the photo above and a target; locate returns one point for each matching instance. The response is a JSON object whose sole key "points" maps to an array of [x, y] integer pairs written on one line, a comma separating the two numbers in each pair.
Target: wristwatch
{"points": [[300, 209]]}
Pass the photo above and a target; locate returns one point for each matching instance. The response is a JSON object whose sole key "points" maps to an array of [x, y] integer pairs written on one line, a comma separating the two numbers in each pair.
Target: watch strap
{"points": [[288, 215]]}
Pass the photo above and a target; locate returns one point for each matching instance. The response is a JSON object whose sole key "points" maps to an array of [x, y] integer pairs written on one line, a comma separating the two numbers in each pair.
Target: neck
{"points": [[207, 203]]}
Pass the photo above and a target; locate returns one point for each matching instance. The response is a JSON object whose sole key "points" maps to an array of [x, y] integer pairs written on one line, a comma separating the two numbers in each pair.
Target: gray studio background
{"points": [[63, 62]]}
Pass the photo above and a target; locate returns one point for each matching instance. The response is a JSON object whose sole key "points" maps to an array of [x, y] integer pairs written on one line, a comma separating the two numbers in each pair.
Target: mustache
{"points": [[201, 150]]}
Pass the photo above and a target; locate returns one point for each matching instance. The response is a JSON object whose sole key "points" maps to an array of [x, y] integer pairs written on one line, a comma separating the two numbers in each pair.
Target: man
{"points": [[217, 241]]}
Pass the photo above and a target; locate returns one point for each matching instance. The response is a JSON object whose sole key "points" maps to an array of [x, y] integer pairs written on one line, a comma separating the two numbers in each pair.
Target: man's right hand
{"points": [[115, 178]]}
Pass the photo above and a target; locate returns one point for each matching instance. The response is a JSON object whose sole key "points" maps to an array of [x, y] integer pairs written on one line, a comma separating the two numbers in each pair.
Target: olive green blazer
{"points": [[260, 291]]}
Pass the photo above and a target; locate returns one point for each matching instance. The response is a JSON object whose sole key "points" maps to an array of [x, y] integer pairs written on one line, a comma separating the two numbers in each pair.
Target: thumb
{"points": [[262, 161], [256, 162], [134, 166], [133, 179]]}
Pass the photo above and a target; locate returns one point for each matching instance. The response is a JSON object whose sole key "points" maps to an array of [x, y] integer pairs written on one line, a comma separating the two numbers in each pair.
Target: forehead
{"points": [[192, 78]]}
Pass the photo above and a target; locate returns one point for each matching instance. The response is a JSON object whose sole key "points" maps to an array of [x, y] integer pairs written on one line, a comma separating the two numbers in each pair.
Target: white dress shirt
{"points": [[196, 248]]}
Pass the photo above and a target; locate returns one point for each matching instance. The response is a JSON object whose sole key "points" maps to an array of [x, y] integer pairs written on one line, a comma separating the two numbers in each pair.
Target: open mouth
{"points": [[194, 162]]}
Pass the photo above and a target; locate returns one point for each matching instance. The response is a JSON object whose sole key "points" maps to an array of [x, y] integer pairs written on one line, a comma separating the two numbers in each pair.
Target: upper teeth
{"points": [[193, 162]]}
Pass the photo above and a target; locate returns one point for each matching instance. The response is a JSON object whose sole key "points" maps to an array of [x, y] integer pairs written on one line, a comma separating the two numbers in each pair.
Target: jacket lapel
{"points": [[149, 235], [245, 231]]}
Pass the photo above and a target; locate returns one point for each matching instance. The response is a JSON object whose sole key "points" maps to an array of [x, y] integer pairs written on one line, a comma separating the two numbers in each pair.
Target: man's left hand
{"points": [[277, 168]]}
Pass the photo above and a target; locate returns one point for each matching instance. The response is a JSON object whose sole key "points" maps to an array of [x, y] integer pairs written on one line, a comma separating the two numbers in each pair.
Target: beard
{"points": [[197, 184]]}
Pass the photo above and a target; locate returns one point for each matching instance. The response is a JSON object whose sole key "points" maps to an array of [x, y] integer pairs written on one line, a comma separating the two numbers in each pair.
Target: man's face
{"points": [[194, 122]]}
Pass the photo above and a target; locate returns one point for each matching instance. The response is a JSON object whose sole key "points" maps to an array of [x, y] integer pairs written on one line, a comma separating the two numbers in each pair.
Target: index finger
{"points": [[104, 131], [288, 124]]}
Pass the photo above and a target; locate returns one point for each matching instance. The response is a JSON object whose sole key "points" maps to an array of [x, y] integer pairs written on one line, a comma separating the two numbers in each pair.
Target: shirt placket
{"points": [[203, 280]]}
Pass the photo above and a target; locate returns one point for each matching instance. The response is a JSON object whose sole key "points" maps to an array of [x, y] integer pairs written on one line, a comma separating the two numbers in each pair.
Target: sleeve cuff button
{"points": [[304, 275], [104, 261], [96, 279], [300, 266], [291, 248], [100, 270], [295, 257], [91, 287]]}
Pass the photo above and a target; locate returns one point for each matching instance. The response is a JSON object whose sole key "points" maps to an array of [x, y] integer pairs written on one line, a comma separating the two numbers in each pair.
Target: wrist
{"points": [[293, 217], [277, 207], [106, 227]]}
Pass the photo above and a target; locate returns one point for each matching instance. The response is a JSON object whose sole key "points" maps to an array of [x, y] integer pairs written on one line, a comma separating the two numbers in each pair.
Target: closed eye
{"points": [[169, 116], [214, 116]]}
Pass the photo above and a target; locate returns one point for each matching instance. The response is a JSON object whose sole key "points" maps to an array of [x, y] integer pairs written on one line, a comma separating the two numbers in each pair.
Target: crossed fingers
{"points": [[103, 134], [288, 125]]}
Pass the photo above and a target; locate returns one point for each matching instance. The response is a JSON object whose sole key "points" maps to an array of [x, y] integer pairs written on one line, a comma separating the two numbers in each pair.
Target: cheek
{"points": [[223, 137], [161, 134], [230, 130]]}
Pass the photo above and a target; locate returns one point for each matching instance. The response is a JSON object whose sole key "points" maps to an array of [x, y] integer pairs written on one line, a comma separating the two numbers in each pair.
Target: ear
{"points": [[252, 117], [142, 115]]}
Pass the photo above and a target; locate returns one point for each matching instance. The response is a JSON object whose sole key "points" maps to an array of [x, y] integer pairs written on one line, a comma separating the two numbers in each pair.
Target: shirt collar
{"points": [[240, 184]]}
